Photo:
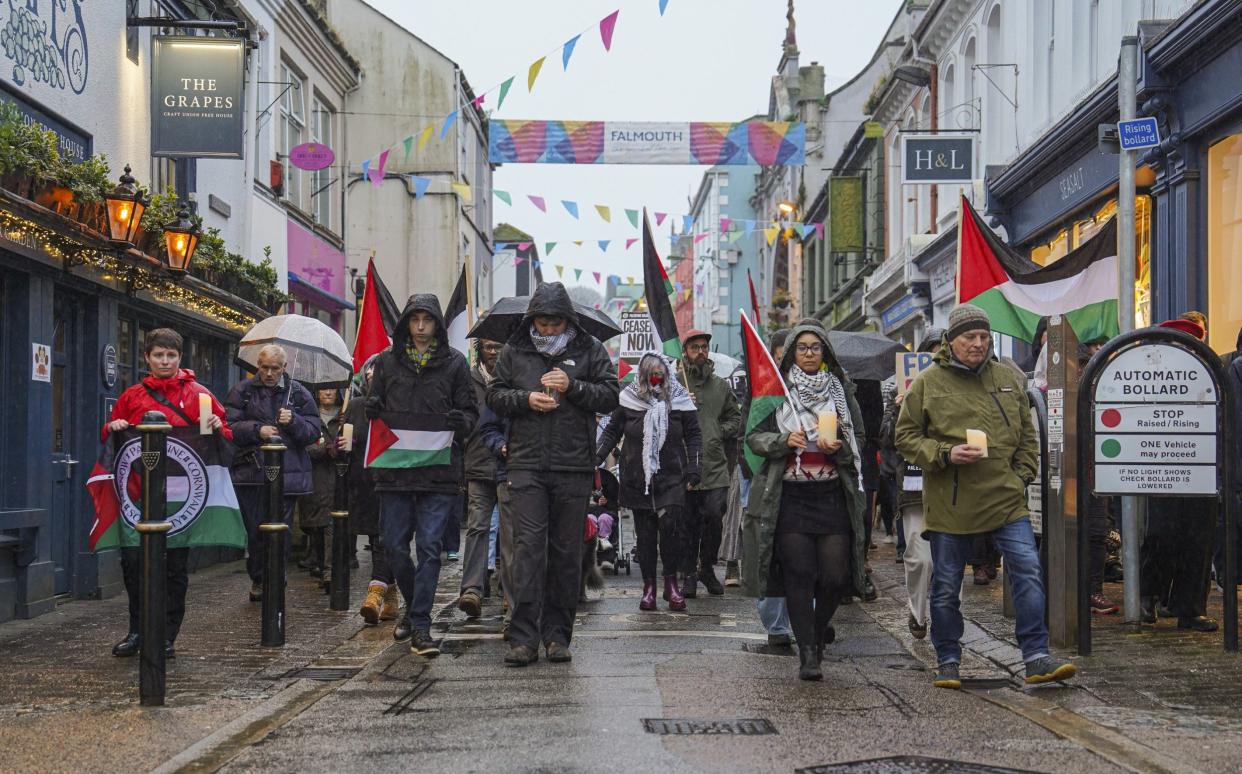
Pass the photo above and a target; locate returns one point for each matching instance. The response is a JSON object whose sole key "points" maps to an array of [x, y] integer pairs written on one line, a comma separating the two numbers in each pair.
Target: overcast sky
{"points": [[704, 60]]}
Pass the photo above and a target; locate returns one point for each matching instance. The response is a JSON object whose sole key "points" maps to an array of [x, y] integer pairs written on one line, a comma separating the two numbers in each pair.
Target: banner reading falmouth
{"points": [[758, 143]]}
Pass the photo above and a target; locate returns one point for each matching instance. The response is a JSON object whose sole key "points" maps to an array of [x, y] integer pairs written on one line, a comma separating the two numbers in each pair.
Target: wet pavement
{"points": [[707, 674]]}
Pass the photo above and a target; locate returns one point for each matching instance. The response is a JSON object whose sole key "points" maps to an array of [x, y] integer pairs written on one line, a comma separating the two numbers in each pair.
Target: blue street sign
{"points": [[1138, 133]]}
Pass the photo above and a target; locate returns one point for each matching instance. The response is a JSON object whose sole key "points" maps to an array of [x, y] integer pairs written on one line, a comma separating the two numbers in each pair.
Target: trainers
{"points": [[370, 610], [917, 629], [1047, 670], [421, 644], [256, 592], [1102, 605], [948, 676], [392, 603], [452, 556], [1199, 623], [779, 641], [889, 540], [470, 604], [521, 655], [558, 653], [733, 575]]}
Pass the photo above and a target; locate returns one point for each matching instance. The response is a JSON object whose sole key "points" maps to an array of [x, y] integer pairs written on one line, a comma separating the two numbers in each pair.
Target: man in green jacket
{"points": [[976, 486], [720, 419]]}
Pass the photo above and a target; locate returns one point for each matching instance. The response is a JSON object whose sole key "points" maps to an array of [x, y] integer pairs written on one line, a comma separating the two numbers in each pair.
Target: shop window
{"points": [[126, 349], [1224, 228], [321, 179], [292, 131]]}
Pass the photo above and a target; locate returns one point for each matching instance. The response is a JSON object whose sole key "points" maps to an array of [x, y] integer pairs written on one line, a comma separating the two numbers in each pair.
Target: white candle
{"points": [[826, 427], [204, 413], [347, 433], [978, 438]]}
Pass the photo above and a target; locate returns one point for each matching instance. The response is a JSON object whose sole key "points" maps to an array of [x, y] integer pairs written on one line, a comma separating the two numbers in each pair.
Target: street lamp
{"points": [[125, 205], [181, 239], [786, 207], [913, 74]]}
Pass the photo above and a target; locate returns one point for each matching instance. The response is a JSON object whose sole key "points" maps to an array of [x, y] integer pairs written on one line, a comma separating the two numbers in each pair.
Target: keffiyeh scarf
{"points": [[655, 409], [810, 394], [552, 346], [420, 359]]}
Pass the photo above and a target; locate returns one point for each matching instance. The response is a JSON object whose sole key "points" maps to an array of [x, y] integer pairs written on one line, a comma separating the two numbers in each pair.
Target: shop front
{"points": [[939, 263], [317, 276], [897, 294]]}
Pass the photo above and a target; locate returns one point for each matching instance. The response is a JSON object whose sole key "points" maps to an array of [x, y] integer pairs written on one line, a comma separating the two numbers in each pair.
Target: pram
{"points": [[616, 554]]}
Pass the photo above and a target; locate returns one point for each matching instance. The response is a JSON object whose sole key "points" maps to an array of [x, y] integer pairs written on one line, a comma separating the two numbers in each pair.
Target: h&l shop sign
{"points": [[937, 158], [196, 97]]}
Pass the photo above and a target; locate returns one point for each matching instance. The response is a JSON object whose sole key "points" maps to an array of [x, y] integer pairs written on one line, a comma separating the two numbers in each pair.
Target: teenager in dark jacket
{"points": [[660, 459], [267, 406], [552, 379], [172, 391], [422, 383], [480, 488]]}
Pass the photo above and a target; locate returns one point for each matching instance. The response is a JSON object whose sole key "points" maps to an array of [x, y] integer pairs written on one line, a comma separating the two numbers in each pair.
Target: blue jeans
{"points": [[950, 553], [774, 615], [491, 538], [421, 516]]}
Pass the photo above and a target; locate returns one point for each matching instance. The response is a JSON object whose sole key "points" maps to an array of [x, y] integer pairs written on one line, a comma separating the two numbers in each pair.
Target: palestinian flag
{"points": [[408, 440], [754, 304], [1016, 292], [767, 388], [457, 316], [201, 503], [376, 319], [657, 288]]}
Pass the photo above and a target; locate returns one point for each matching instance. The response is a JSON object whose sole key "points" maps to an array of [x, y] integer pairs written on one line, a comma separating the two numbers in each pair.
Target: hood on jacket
{"points": [[419, 302], [830, 357], [550, 299]]}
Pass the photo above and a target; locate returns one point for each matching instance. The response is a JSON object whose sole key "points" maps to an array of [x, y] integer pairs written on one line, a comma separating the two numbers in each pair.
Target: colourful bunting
{"points": [[503, 196], [537, 263], [421, 184], [663, 5], [603, 244], [547, 247], [687, 224], [605, 212], [577, 274], [819, 230], [750, 227], [606, 26], [538, 202], [596, 275], [560, 270], [504, 92], [408, 142], [660, 216], [479, 99], [629, 280], [449, 120], [533, 72], [725, 223], [377, 172], [770, 232], [366, 170], [571, 207], [502, 246], [630, 243], [700, 237], [734, 236], [633, 217], [578, 242], [518, 261], [687, 296], [524, 246], [424, 137], [568, 50], [463, 190]]}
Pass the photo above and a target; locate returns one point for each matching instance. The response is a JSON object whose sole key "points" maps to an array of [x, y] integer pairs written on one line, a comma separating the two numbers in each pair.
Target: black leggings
{"points": [[816, 570], [653, 530]]}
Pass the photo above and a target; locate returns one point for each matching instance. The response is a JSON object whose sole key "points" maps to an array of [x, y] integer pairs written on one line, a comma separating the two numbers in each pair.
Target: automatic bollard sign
{"points": [[197, 105]]}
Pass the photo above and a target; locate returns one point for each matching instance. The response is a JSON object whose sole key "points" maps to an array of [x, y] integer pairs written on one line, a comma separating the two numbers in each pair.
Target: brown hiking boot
{"points": [[392, 604], [370, 611]]}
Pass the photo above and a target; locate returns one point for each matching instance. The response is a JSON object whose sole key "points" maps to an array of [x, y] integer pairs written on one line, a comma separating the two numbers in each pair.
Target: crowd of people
{"points": [[531, 429]]}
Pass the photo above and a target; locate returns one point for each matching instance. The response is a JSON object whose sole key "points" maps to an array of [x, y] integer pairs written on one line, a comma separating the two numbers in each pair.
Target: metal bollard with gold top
{"points": [[275, 534], [153, 534], [342, 543]]}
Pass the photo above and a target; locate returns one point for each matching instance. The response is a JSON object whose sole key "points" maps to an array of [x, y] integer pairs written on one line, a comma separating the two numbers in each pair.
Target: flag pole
{"points": [[1127, 86]]}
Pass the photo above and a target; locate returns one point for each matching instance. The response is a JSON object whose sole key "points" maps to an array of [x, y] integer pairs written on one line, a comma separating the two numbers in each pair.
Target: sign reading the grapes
{"points": [[196, 97]]}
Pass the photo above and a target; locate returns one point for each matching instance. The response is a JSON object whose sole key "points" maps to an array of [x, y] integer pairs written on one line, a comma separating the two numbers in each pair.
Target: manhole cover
{"points": [[691, 726], [910, 763], [322, 673]]}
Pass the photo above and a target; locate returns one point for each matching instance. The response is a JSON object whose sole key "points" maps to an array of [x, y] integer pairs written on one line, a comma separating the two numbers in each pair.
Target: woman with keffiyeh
{"points": [[660, 460], [803, 537]]}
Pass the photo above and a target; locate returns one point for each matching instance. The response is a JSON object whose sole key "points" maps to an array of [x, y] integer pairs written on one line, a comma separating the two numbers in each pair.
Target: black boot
{"points": [[128, 646], [318, 551], [1148, 614], [707, 576], [809, 668], [690, 589]]}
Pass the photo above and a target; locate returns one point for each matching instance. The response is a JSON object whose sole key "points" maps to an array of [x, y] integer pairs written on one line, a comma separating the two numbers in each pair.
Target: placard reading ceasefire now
{"points": [[1155, 424]]}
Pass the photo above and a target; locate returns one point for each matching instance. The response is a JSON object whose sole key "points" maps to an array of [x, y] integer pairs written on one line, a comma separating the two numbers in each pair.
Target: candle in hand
{"points": [[978, 438], [347, 433], [827, 426], [204, 413]]}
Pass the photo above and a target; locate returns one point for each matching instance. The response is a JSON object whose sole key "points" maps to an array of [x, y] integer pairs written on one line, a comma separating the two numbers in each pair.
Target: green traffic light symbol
{"points": [[1110, 448]]}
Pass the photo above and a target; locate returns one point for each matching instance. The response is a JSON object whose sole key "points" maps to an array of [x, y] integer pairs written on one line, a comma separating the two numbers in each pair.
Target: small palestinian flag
{"points": [[406, 440], [767, 389], [656, 289], [201, 502], [1016, 293]]}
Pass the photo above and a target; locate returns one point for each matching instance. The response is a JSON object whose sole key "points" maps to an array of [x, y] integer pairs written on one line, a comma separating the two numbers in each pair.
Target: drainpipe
{"points": [[933, 88], [1127, 87]]}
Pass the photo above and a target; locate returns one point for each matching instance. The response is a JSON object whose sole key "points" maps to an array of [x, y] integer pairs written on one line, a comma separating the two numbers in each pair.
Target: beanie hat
{"points": [[966, 317]]}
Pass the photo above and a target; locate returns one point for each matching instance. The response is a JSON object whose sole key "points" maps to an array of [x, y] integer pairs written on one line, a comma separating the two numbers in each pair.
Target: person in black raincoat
{"points": [[552, 379], [315, 509], [660, 459], [480, 488]]}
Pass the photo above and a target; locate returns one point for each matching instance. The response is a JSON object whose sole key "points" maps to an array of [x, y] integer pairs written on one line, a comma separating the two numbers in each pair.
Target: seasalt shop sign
{"points": [[196, 97]]}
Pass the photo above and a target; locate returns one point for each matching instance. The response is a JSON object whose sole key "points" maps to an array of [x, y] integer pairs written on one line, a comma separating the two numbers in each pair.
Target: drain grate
{"points": [[322, 673], [909, 764], [691, 726]]}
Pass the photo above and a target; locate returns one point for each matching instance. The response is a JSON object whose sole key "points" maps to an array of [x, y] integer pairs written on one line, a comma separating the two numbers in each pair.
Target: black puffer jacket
{"points": [[249, 407], [561, 440], [442, 386], [680, 458], [480, 462]]}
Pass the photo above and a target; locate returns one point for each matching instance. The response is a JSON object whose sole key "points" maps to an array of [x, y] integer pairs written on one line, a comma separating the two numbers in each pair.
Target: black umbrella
{"points": [[866, 355], [507, 313]]}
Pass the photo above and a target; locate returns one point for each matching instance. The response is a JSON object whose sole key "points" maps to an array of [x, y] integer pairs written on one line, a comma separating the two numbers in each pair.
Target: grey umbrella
{"points": [[316, 354], [866, 355]]}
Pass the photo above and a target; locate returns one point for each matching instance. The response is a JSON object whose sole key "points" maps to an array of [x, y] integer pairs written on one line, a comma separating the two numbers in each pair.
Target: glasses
{"points": [[809, 349]]}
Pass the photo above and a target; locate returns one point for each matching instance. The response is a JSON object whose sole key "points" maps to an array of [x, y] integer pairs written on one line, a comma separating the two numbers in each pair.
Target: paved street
{"points": [[1149, 702]]}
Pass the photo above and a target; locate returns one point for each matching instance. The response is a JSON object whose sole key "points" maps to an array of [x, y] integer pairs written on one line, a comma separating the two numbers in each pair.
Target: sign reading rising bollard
{"points": [[1155, 418], [153, 529], [275, 534], [342, 548]]}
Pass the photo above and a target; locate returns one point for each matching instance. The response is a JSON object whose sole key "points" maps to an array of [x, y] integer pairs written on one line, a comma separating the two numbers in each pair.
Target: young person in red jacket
{"points": [[168, 383]]}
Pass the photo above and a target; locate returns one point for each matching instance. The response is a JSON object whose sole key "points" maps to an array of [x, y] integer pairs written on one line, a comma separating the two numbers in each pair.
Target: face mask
{"points": [[657, 379]]}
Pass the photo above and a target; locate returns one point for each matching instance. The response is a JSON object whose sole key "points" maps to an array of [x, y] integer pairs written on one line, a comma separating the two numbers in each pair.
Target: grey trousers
{"points": [[482, 499]]}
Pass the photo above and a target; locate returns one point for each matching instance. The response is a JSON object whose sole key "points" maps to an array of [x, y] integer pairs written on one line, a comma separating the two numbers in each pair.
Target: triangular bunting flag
{"points": [[606, 27], [408, 143], [819, 230], [725, 223], [734, 236], [633, 217], [578, 242], [524, 246], [366, 170], [424, 137], [568, 50], [449, 120], [463, 190], [560, 270], [595, 274], [571, 207], [629, 280], [630, 243], [750, 227], [687, 224], [421, 184], [603, 244], [519, 261], [770, 232], [538, 202], [547, 247], [533, 72], [504, 92], [663, 5], [503, 196], [605, 212], [577, 274], [700, 237], [660, 216]]}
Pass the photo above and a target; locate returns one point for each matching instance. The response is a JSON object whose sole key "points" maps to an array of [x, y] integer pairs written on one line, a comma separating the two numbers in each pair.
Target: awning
{"points": [[317, 295]]}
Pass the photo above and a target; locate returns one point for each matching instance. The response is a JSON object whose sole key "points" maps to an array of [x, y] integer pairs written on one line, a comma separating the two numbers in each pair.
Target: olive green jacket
{"points": [[720, 420], [942, 403]]}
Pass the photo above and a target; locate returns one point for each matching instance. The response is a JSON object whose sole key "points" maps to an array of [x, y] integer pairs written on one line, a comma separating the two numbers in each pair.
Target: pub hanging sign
{"points": [[197, 107], [937, 158]]}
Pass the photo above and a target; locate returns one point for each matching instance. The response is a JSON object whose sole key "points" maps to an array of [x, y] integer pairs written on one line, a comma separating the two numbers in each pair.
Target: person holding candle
{"points": [[660, 461], [971, 490], [174, 392], [808, 498], [315, 509]]}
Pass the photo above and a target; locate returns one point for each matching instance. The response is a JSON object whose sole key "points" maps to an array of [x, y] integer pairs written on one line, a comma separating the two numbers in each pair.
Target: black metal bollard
{"points": [[342, 547], [152, 563], [275, 533]]}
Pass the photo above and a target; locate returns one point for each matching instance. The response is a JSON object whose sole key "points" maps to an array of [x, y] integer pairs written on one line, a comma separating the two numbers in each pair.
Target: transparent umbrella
{"points": [[316, 354]]}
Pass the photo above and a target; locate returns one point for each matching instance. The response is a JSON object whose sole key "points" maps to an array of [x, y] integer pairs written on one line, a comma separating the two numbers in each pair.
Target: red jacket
{"points": [[181, 390]]}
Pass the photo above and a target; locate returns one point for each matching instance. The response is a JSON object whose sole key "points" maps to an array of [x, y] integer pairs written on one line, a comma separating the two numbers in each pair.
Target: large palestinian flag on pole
{"points": [[408, 440], [1016, 293], [656, 289], [767, 388], [376, 319], [201, 503]]}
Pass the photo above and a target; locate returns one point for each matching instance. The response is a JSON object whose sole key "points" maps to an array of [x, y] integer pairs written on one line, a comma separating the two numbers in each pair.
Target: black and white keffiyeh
{"points": [[552, 345], [655, 402], [809, 394]]}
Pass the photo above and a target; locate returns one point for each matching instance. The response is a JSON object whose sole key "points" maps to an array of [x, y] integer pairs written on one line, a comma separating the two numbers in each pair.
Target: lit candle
{"points": [[204, 413], [827, 426], [347, 433], [978, 438]]}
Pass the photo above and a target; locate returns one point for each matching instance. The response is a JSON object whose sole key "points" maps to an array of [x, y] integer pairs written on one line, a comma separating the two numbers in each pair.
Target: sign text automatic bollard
{"points": [[152, 530], [1155, 417], [342, 548], [274, 533]]}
